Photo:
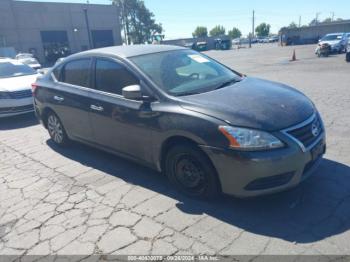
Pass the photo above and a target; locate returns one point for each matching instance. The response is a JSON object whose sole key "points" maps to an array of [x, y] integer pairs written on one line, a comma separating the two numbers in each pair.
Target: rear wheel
{"points": [[56, 130], [191, 171], [347, 58]]}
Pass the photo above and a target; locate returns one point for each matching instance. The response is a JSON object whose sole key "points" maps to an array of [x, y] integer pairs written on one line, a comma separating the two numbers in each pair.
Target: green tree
{"points": [[137, 21], [234, 33], [217, 31], [313, 22], [200, 31], [263, 30], [293, 25], [327, 20]]}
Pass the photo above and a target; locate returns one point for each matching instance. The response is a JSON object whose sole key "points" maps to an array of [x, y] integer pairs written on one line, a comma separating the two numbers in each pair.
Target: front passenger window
{"points": [[112, 77]]}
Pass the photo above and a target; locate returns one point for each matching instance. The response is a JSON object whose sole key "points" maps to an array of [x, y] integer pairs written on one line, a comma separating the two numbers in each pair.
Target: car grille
{"points": [[305, 133], [20, 94]]}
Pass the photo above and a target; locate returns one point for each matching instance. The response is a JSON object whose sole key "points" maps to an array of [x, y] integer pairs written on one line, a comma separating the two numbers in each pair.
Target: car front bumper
{"points": [[249, 174], [12, 107]]}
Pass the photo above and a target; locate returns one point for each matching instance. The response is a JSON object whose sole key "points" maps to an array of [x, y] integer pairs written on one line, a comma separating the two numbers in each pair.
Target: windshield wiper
{"points": [[227, 83], [188, 93]]}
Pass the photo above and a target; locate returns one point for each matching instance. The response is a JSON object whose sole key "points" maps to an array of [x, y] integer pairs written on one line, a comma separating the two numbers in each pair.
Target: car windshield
{"points": [[331, 37], [14, 69], [184, 72]]}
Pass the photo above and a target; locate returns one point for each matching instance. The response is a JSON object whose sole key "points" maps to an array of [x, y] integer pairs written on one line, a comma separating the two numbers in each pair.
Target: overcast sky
{"points": [[180, 17]]}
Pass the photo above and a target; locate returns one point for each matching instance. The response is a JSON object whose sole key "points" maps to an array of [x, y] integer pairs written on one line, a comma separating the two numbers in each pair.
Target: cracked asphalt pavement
{"points": [[83, 201]]}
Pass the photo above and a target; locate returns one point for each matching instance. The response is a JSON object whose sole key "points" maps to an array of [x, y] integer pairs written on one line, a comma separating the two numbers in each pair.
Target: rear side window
{"points": [[57, 73], [112, 77], [77, 72]]}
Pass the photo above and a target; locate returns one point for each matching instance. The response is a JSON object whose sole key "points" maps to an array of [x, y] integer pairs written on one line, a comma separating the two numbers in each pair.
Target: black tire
{"points": [[56, 130], [342, 50], [347, 58], [191, 171]]}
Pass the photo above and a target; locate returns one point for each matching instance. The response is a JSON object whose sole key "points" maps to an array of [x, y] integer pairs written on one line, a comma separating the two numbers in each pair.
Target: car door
{"points": [[70, 97], [119, 124]]}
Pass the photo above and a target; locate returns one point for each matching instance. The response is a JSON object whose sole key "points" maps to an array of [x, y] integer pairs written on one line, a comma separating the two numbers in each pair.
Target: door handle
{"points": [[96, 108], [58, 98]]}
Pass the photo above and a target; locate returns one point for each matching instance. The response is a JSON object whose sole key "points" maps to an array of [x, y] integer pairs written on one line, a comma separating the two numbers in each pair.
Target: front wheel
{"points": [[191, 171], [56, 130]]}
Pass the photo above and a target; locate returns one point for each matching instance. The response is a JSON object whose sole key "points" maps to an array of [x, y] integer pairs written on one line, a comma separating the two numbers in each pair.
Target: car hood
{"points": [[332, 42], [253, 103], [17, 83]]}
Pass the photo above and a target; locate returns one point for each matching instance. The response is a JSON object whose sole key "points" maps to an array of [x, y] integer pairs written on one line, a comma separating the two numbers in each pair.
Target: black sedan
{"points": [[210, 129]]}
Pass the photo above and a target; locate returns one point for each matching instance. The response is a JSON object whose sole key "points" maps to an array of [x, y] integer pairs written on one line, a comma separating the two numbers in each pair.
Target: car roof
{"points": [[6, 60], [130, 51], [336, 34]]}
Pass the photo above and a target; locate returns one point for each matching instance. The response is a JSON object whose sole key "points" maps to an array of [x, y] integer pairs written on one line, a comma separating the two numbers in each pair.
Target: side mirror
{"points": [[132, 92]]}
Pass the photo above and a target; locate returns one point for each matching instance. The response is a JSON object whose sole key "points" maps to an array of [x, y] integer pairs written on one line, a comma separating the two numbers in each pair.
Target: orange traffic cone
{"points": [[294, 57]]}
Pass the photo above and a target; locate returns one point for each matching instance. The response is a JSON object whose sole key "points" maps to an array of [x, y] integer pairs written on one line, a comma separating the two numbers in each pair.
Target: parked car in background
{"points": [[347, 57], [208, 127], [273, 39], [236, 41], [348, 46], [222, 44], [241, 41], [348, 36], [28, 59], [201, 46], [15, 87], [254, 40], [189, 45], [263, 40], [337, 41]]}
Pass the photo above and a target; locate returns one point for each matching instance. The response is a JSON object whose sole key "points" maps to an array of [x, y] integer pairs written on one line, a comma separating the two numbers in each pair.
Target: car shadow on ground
{"points": [[316, 209], [20, 121]]}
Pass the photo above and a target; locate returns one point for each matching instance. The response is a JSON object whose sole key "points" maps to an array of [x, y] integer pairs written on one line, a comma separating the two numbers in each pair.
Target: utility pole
{"points": [[317, 14], [253, 28], [299, 21], [88, 27], [332, 13]]}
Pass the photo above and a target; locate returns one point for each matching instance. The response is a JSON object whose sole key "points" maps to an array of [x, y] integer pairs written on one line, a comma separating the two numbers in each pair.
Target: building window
{"points": [[102, 38]]}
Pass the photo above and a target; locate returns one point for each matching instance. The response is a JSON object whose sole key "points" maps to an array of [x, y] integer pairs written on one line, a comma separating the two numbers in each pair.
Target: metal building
{"points": [[52, 30], [311, 34]]}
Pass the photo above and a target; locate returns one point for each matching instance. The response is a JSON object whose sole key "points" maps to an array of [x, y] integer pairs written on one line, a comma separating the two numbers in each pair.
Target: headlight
{"points": [[4, 95], [250, 139]]}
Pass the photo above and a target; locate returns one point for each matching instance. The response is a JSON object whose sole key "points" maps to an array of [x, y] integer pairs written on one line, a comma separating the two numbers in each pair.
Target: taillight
{"points": [[34, 87]]}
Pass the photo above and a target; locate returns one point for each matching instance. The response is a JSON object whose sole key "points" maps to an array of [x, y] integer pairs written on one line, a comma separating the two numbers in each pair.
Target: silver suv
{"points": [[337, 41]]}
